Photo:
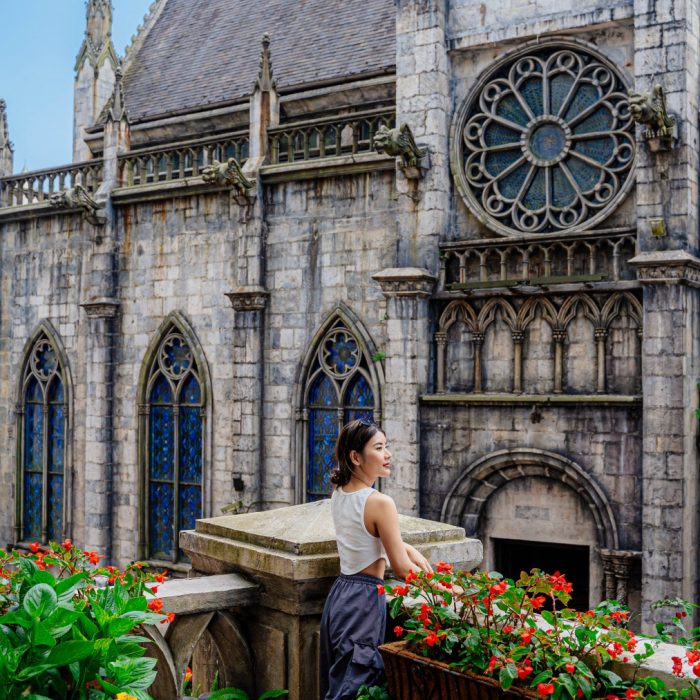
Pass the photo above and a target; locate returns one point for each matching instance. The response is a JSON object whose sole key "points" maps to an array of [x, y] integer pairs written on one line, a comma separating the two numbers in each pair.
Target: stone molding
{"points": [[101, 308], [406, 282], [667, 267], [248, 298]]}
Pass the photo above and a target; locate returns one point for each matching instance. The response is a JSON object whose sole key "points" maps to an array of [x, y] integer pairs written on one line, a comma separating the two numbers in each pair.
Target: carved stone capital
{"points": [[478, 338], [620, 561], [248, 298], [518, 336], [667, 267], [101, 308], [405, 282], [600, 333], [558, 335], [441, 338]]}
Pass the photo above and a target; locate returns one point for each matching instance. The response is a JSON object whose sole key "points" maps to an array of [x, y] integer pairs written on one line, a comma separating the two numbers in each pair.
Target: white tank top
{"points": [[356, 546]]}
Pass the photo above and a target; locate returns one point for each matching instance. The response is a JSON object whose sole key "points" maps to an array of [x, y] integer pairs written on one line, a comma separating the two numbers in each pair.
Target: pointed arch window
{"points": [[174, 451], [342, 386], [42, 435]]}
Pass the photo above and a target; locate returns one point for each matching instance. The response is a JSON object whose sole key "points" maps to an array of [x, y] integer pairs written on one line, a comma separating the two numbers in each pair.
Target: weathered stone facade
{"points": [[536, 376]]}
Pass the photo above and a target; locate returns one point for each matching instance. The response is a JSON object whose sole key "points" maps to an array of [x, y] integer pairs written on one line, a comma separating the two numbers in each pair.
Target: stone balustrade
{"points": [[37, 186], [326, 137], [598, 256], [180, 160]]}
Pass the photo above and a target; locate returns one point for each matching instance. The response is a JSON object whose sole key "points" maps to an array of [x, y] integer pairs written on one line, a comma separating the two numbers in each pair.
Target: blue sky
{"points": [[40, 41]]}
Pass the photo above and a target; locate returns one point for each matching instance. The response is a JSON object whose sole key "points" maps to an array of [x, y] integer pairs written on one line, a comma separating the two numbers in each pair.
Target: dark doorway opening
{"points": [[513, 556]]}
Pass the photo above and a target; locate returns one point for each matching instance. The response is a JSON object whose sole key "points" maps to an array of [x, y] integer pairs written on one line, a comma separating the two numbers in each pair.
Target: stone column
{"points": [[518, 338], [291, 554], [559, 336], [600, 335], [407, 369], [6, 148], [99, 413], [248, 367], [478, 340], [441, 340]]}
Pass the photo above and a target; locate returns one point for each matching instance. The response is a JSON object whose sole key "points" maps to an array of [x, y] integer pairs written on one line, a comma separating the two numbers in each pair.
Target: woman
{"points": [[368, 535]]}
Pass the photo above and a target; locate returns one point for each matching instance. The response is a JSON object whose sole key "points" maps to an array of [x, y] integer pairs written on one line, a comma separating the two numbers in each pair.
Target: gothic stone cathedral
{"points": [[474, 222]]}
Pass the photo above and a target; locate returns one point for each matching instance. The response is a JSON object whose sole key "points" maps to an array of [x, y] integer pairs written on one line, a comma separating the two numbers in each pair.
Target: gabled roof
{"points": [[202, 52]]}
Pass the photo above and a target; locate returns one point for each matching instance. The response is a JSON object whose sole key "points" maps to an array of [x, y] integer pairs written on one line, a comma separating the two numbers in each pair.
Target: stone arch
{"points": [[174, 321], [45, 329], [340, 316], [467, 498], [621, 317], [614, 305], [527, 312], [457, 311], [569, 308], [451, 352]]}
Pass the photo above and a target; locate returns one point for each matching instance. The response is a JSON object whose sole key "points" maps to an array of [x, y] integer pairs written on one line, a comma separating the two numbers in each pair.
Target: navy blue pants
{"points": [[352, 627]]}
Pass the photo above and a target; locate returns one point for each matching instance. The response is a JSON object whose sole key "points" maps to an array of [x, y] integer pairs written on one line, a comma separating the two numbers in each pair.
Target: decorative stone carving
{"points": [[545, 142], [101, 308], [77, 197], [399, 142], [649, 109], [618, 567], [405, 282], [229, 174], [248, 298], [667, 267]]}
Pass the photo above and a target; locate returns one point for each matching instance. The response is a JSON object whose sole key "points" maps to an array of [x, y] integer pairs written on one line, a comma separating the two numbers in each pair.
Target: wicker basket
{"points": [[413, 677]]}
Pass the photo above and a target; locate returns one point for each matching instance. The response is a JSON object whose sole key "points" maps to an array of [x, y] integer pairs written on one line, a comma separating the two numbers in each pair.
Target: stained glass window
{"points": [[42, 435], [545, 141], [339, 390], [175, 446]]}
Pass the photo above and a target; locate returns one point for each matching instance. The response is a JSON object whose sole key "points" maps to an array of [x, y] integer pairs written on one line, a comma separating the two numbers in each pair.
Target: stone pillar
{"points": [[290, 553], [559, 336], [441, 340], [407, 374], [99, 413], [95, 69], [248, 382], [518, 339], [600, 335], [618, 567], [6, 148], [423, 102], [478, 340]]}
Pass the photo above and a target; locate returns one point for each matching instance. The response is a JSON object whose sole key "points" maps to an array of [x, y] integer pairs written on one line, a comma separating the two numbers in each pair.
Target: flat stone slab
{"points": [[195, 595]]}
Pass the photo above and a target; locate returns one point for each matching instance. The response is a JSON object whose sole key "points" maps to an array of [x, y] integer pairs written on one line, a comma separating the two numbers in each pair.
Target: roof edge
{"points": [[142, 31]]}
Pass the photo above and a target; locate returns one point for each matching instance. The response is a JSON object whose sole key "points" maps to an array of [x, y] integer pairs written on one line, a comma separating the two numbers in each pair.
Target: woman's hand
{"points": [[418, 559]]}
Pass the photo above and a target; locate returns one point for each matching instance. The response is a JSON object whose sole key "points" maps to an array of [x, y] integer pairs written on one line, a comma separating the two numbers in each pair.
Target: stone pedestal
{"points": [[290, 553]]}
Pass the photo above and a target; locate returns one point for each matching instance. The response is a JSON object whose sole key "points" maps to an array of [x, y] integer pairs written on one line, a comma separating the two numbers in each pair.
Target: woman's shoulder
{"points": [[381, 500]]}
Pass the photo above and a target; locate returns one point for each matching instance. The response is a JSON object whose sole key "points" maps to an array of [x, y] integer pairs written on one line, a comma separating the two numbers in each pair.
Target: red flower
{"points": [[94, 557], [696, 669], [443, 567], [619, 615], [411, 576], [631, 694], [693, 656], [545, 689], [631, 644], [524, 671], [398, 630], [559, 583], [161, 577], [400, 590], [34, 547], [380, 589], [677, 666], [67, 544], [431, 639], [156, 604], [169, 617], [570, 668], [613, 697], [537, 602], [507, 629], [498, 588], [526, 636], [681, 614], [188, 675], [579, 693]]}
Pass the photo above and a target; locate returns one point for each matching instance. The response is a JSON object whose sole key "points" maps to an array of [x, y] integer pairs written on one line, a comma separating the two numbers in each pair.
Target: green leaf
{"points": [[17, 617], [279, 693], [120, 626], [41, 637], [133, 673], [229, 694], [121, 597], [67, 586], [139, 604], [44, 577], [40, 600], [31, 671], [548, 616], [507, 675], [569, 684], [609, 677], [67, 652]]}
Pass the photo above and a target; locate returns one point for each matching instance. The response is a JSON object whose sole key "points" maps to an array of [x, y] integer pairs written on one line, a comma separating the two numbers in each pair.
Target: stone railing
{"points": [[37, 186], [180, 160], [597, 256], [327, 137]]}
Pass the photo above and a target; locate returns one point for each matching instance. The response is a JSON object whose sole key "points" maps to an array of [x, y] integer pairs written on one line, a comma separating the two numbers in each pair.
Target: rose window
{"points": [[545, 143]]}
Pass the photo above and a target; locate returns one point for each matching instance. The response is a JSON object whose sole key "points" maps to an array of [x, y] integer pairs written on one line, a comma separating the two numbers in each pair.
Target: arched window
{"points": [[341, 386], [174, 445], [42, 437]]}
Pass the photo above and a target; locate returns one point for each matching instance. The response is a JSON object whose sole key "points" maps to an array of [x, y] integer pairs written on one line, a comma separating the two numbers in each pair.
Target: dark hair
{"points": [[353, 437]]}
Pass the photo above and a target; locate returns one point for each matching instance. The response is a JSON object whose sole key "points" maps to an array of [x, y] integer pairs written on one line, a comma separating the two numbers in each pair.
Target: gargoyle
{"points": [[650, 109], [399, 142], [229, 174], [77, 197]]}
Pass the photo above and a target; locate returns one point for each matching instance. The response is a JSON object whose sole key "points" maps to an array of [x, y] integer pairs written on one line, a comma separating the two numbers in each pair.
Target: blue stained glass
{"points": [[33, 437], [46, 360], [600, 150], [497, 161], [161, 391], [160, 519], [33, 393], [586, 176], [496, 135], [509, 108], [323, 432], [563, 194], [510, 185], [586, 96], [531, 90], [32, 505], [360, 394], [323, 392], [56, 438], [342, 353], [547, 141], [55, 524], [191, 392], [600, 120], [535, 198], [359, 414], [161, 449], [191, 445], [190, 506], [559, 87], [178, 354], [56, 391]]}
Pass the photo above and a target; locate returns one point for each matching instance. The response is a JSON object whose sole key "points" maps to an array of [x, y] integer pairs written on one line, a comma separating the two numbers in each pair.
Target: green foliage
{"points": [[67, 635], [374, 692], [379, 356], [521, 633]]}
